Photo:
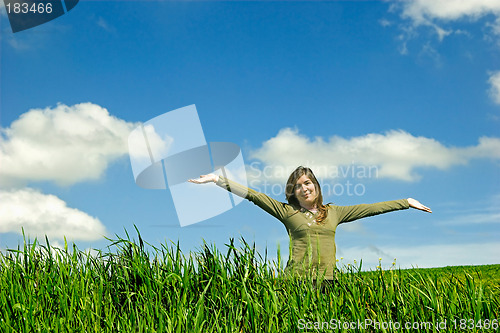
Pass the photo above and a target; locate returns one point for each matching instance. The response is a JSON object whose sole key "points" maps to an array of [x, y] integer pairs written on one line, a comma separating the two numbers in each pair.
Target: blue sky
{"points": [[409, 89]]}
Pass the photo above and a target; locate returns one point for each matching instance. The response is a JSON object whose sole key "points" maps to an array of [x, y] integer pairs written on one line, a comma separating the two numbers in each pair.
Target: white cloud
{"points": [[41, 214], [395, 154], [435, 14], [101, 22], [385, 23], [494, 82], [431, 53], [65, 144], [424, 256], [423, 11], [145, 143], [158, 145], [495, 26]]}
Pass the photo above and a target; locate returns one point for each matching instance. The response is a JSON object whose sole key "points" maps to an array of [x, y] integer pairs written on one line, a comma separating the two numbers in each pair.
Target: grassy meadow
{"points": [[136, 287]]}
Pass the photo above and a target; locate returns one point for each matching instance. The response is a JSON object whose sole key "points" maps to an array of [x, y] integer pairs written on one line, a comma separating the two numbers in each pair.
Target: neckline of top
{"points": [[303, 210]]}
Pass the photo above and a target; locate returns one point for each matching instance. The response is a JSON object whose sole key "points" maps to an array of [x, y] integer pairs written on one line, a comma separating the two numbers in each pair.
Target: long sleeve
{"points": [[351, 213], [274, 207]]}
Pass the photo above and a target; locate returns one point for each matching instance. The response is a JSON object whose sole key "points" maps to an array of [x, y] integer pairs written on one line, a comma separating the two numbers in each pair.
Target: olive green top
{"points": [[312, 244]]}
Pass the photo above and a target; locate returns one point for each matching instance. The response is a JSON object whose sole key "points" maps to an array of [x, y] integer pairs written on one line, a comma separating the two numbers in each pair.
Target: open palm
{"points": [[417, 205]]}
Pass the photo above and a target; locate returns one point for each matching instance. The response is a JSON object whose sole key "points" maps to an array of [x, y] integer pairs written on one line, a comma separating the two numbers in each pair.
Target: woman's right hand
{"points": [[205, 179], [417, 205]]}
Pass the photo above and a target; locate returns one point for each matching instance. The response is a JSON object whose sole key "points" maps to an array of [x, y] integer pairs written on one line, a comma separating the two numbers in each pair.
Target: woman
{"points": [[310, 224]]}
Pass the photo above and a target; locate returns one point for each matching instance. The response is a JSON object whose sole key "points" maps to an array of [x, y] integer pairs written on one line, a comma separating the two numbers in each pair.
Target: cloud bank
{"points": [[65, 144], [394, 155], [422, 10], [41, 214], [433, 12]]}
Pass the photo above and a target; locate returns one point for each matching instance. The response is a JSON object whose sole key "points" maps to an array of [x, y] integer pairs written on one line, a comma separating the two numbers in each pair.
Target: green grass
{"points": [[136, 287]]}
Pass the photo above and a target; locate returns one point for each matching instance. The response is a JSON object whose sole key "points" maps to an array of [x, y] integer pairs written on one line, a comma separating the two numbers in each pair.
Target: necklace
{"points": [[309, 214]]}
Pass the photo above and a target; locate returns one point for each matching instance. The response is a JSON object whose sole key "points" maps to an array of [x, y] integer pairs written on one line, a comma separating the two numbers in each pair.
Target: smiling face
{"points": [[305, 192], [302, 189]]}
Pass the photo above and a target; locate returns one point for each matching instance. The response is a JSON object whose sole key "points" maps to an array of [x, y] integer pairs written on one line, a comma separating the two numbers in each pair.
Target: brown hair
{"points": [[290, 191]]}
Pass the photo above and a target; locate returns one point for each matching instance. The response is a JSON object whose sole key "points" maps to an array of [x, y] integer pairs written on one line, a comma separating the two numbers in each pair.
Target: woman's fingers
{"points": [[426, 209], [417, 205]]}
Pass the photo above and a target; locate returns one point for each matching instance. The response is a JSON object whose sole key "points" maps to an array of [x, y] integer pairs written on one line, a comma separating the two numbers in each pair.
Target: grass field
{"points": [[134, 287]]}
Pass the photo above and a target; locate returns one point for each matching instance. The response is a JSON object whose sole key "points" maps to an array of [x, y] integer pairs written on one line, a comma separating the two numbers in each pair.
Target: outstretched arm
{"points": [[270, 205], [417, 205], [351, 213]]}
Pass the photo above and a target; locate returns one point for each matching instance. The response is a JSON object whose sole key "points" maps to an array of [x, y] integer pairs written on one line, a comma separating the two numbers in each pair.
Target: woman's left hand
{"points": [[417, 205]]}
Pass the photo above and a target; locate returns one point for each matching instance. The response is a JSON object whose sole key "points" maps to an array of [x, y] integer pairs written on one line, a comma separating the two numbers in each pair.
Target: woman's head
{"points": [[303, 189]]}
